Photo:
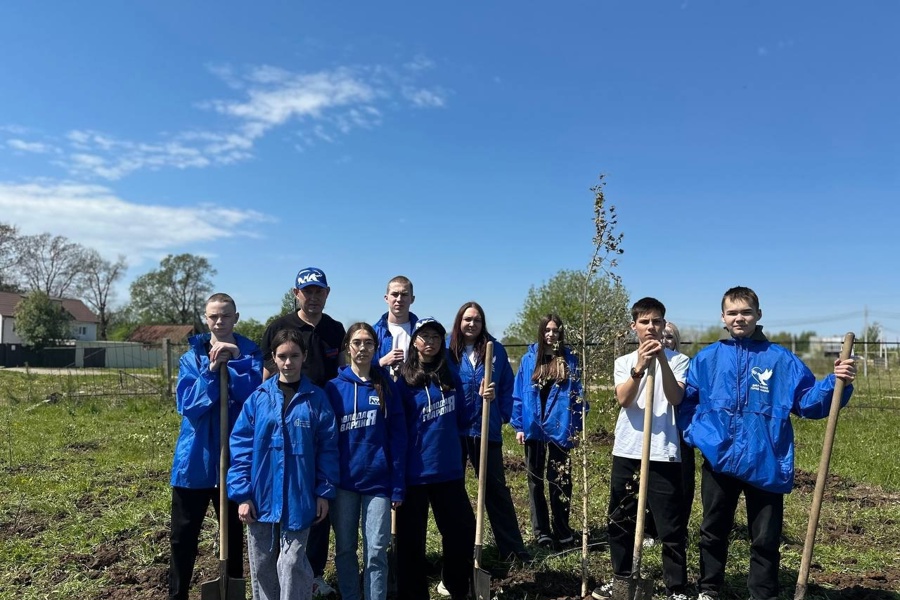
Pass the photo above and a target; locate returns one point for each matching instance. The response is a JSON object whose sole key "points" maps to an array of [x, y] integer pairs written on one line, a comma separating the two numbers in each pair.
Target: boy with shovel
{"points": [[195, 468], [664, 487], [740, 394]]}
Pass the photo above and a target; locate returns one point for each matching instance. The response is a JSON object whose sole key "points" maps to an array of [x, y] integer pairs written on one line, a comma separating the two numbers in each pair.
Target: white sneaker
{"points": [[707, 596], [442, 589], [649, 542], [321, 589]]}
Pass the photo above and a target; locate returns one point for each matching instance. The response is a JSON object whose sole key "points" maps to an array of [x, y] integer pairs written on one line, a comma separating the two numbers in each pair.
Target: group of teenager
{"points": [[365, 429]]}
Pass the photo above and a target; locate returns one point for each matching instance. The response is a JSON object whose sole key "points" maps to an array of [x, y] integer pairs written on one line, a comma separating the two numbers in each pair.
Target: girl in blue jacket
{"points": [[468, 340], [372, 454], [435, 417], [547, 416], [284, 466]]}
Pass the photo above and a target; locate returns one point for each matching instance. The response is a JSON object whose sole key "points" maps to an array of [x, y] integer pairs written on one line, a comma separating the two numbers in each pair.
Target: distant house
{"points": [[155, 334], [84, 321]]}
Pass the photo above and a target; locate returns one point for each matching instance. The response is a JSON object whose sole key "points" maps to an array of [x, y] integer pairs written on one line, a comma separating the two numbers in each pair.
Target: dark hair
{"points": [[557, 369], [288, 336], [220, 297], [375, 373], [646, 305], [741, 293], [457, 343], [415, 372]]}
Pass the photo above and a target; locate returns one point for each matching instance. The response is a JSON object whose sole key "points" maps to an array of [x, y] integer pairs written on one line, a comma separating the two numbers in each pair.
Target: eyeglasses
{"points": [[215, 317], [432, 338], [360, 344]]}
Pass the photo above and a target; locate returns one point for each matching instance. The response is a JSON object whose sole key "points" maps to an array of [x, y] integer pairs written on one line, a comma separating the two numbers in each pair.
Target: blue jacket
{"points": [[371, 445], [563, 417], [196, 461], [385, 339], [283, 459], [737, 405], [471, 378], [435, 420]]}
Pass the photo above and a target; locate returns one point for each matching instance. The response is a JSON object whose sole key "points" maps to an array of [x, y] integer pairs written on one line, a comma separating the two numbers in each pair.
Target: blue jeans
{"points": [[348, 509], [279, 569]]}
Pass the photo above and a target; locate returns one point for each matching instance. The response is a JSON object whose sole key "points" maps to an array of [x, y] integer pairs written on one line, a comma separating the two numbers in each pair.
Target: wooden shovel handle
{"points": [[822, 474], [483, 450], [223, 461], [645, 471]]}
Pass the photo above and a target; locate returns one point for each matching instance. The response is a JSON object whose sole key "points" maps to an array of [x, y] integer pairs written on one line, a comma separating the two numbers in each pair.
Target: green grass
{"points": [[84, 501]]}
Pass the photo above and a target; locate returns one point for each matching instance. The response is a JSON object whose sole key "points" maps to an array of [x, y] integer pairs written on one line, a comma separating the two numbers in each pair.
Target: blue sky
{"points": [[744, 143]]}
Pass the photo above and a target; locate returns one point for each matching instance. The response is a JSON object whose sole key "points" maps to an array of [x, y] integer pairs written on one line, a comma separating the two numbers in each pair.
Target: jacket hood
{"points": [[346, 373]]}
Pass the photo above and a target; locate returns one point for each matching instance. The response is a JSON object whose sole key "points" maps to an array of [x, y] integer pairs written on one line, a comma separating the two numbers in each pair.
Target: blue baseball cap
{"points": [[310, 276], [429, 322]]}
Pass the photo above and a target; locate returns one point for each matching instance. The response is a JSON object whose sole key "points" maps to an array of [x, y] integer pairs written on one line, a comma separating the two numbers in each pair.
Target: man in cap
{"points": [[323, 336]]}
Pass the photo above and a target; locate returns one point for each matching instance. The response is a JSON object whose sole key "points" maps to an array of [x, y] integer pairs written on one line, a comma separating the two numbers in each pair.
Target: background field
{"points": [[84, 500]]}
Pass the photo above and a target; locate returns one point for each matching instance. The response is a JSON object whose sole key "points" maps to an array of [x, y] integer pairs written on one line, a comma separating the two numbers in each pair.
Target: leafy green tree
{"points": [[594, 311], [40, 321], [174, 293], [251, 329]]}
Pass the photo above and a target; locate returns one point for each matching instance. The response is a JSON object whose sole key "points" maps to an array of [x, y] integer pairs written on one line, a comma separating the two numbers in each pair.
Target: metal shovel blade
{"points": [[223, 588], [481, 579], [640, 589]]}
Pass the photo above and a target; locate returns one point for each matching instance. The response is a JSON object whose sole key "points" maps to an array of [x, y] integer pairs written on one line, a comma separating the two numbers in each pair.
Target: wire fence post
{"points": [[167, 367]]}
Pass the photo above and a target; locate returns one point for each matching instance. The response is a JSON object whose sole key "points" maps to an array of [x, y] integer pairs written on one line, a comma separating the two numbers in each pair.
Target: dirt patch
{"points": [[601, 438], [513, 464], [25, 525], [83, 446]]}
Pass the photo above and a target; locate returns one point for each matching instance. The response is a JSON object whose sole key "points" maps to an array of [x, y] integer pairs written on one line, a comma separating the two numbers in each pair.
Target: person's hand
{"points": [[489, 391], [247, 512], [520, 437], [647, 351], [395, 505], [845, 370], [321, 510], [220, 353], [392, 358]]}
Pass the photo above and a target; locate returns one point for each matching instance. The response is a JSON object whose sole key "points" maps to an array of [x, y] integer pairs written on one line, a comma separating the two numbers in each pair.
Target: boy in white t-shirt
{"points": [[664, 493]]}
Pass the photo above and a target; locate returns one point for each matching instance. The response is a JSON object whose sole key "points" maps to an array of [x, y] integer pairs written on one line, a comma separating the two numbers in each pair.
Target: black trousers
{"points": [[317, 545], [688, 486], [188, 512], [765, 516], [498, 501], [543, 457], [456, 523], [664, 496]]}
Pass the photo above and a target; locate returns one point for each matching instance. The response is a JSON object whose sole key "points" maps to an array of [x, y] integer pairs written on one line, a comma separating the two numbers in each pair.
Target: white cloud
{"points": [[33, 147], [94, 216], [323, 106], [419, 63], [422, 98]]}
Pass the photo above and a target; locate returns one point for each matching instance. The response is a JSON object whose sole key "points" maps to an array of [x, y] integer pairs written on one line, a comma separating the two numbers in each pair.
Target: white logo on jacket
{"points": [[358, 419], [762, 379]]}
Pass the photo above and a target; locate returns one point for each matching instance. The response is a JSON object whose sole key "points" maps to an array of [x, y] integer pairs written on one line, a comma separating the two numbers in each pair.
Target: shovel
{"points": [[392, 558], [481, 579], [638, 587], [803, 575], [225, 587]]}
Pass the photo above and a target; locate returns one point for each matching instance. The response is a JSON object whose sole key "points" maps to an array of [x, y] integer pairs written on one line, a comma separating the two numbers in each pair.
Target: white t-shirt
{"points": [[664, 443], [400, 335]]}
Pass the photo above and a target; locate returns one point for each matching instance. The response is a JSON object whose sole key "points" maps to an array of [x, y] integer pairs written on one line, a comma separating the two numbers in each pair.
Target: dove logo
{"points": [[762, 379], [307, 278]]}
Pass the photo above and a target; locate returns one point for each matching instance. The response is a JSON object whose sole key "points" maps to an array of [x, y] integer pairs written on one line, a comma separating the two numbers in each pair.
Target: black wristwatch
{"points": [[635, 374]]}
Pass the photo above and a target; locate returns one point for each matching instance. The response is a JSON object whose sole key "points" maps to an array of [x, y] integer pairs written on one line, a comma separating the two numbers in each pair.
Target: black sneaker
{"points": [[545, 541], [603, 592], [678, 596]]}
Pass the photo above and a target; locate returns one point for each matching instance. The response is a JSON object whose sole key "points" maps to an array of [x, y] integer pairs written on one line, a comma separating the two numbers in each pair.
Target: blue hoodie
{"points": [[471, 378], [737, 404], [372, 445], [435, 420], [283, 459], [196, 461], [563, 417], [385, 339]]}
